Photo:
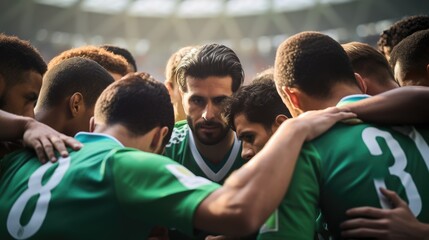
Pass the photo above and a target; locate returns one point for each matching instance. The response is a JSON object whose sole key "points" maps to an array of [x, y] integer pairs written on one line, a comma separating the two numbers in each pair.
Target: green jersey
{"points": [[344, 168], [182, 149], [103, 191]]}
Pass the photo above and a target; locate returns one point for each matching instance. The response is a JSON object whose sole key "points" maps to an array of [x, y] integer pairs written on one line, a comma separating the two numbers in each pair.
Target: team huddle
{"points": [[331, 142]]}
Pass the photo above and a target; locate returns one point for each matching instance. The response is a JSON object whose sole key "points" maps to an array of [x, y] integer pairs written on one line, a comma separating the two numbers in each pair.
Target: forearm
{"points": [[253, 192], [12, 126], [404, 105]]}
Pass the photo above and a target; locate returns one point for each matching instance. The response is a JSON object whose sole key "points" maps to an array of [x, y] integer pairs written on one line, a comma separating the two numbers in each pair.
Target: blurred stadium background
{"points": [[153, 29]]}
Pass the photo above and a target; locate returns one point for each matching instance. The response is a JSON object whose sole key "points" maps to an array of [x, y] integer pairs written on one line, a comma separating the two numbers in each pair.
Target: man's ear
{"points": [[75, 103], [157, 141], [278, 121], [361, 82], [169, 87], [292, 95], [92, 124]]}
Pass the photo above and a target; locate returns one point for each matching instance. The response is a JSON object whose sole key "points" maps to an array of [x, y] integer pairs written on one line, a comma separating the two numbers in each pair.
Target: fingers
{"points": [[45, 147], [48, 149], [40, 152], [71, 142], [370, 212], [393, 197]]}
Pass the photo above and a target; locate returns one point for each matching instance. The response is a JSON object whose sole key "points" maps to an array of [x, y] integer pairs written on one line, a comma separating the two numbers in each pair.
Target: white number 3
{"points": [[369, 136], [35, 187]]}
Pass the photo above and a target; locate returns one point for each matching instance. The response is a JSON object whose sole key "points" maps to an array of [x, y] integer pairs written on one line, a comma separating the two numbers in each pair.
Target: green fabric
{"points": [[106, 192], [337, 172], [179, 150]]}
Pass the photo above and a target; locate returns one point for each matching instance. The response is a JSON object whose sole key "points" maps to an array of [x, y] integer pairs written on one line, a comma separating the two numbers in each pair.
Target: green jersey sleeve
{"points": [[296, 216], [157, 190]]}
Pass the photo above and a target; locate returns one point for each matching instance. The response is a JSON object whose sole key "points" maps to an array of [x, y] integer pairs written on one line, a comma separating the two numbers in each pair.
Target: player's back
{"points": [[355, 161], [70, 199]]}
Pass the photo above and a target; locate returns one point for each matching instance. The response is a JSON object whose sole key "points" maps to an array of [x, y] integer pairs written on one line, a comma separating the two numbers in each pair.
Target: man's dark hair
{"points": [[400, 30], [413, 55], [74, 75], [122, 52], [210, 60], [138, 102], [17, 56], [258, 101], [367, 61], [314, 63]]}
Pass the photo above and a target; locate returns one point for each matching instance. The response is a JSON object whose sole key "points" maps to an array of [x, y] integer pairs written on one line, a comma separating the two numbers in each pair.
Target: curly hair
{"points": [[210, 60], [110, 61], [400, 30], [312, 62], [122, 52], [17, 56]]}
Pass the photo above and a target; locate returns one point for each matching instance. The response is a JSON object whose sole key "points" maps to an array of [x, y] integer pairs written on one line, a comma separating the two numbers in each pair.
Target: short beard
{"points": [[208, 141]]}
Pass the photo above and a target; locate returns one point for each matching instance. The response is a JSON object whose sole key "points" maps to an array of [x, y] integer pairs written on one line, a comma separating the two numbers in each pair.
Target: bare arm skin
{"points": [[403, 105], [43, 139], [242, 204], [396, 223]]}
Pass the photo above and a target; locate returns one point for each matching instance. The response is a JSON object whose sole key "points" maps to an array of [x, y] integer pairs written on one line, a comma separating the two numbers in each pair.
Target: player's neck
{"points": [[338, 92], [216, 153], [53, 117]]}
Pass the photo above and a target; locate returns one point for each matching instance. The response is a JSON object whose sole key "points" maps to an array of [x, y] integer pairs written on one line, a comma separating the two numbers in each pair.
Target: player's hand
{"points": [[396, 223], [45, 140], [319, 121]]}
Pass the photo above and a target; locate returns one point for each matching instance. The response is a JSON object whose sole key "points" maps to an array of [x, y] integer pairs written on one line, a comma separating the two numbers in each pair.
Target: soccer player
{"points": [[410, 60], [255, 112], [21, 71], [171, 83], [345, 167], [399, 31], [205, 144], [69, 92], [372, 66], [112, 190]]}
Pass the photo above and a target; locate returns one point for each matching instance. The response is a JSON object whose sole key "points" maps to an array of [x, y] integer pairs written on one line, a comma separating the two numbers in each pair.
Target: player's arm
{"points": [[253, 192], [404, 105], [396, 223], [43, 139]]}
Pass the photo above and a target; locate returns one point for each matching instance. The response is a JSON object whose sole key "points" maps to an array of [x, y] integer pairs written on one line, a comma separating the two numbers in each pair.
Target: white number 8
{"points": [[35, 187]]}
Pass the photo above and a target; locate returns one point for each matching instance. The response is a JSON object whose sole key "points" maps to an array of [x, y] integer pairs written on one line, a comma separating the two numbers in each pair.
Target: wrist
{"points": [[423, 231]]}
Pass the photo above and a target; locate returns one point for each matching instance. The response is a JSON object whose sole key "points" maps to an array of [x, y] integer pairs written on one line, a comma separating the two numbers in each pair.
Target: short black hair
{"points": [[210, 60], [258, 101], [17, 56], [400, 30], [139, 102], [74, 75], [312, 62], [122, 52], [413, 55]]}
